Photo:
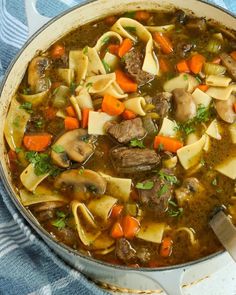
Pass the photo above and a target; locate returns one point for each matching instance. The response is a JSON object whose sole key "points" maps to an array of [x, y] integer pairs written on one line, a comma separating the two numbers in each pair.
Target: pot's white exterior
{"points": [[139, 279]]}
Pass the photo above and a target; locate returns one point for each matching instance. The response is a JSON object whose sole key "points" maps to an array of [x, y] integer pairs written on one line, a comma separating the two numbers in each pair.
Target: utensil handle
{"points": [[34, 18]]}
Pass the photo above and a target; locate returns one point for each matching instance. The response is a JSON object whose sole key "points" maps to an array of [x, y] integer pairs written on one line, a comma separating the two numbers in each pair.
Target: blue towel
{"points": [[27, 265]]}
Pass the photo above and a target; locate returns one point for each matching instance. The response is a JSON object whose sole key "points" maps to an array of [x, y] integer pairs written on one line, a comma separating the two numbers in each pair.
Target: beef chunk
{"points": [[46, 215], [180, 17], [131, 160], [229, 63], [162, 102], [133, 64], [157, 198], [124, 251], [184, 48], [143, 255], [196, 25], [127, 130]]}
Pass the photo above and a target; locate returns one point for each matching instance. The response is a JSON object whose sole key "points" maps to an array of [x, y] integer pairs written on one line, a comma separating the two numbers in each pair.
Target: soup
{"points": [[121, 137]]}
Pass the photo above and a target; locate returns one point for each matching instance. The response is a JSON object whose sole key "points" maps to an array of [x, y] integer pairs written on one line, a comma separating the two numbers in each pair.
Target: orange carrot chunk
{"points": [[50, 113], [110, 20], [125, 47], [142, 15], [112, 106], [57, 51], [235, 107], [128, 115], [164, 67], [70, 111], [117, 231], [130, 226], [182, 66], [85, 117], [196, 63], [164, 42], [216, 60], [71, 123], [166, 247], [37, 142], [203, 87], [233, 54], [167, 143], [125, 82], [113, 48], [116, 211]]}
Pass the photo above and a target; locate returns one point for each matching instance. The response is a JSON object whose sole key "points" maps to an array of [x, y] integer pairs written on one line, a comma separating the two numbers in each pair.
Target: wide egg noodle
{"points": [[101, 207], [106, 36], [78, 62]]}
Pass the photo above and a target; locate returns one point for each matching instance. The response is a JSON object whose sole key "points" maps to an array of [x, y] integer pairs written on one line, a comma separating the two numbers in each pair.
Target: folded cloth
{"points": [[27, 265]]}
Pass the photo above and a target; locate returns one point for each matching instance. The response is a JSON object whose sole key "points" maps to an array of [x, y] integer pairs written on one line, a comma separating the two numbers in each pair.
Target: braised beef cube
{"points": [[127, 130], [184, 48], [133, 64], [131, 160], [180, 16], [196, 25], [229, 63], [143, 254], [162, 102], [124, 251]]}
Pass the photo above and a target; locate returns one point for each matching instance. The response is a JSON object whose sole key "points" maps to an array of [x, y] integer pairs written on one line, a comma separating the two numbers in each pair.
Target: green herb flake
{"points": [[58, 149], [172, 179], [89, 85], [72, 87], [129, 14], [105, 40], [81, 171], [18, 150], [27, 106], [202, 162], [214, 182], [137, 143], [172, 203], [175, 213], [26, 91], [59, 223], [16, 122], [39, 123], [162, 190], [85, 50], [185, 77], [145, 185], [106, 66], [130, 29], [61, 214], [198, 79]]}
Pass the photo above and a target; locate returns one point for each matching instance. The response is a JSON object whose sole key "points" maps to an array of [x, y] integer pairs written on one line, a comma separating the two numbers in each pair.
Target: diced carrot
{"points": [[117, 231], [125, 82], [71, 123], [57, 51], [112, 105], [37, 142], [233, 54], [216, 60], [110, 20], [50, 113], [196, 63], [164, 67], [113, 48], [130, 226], [85, 117], [164, 42], [166, 247], [128, 115], [71, 111], [116, 211], [167, 143], [125, 47], [142, 15], [203, 87], [235, 107], [182, 66]]}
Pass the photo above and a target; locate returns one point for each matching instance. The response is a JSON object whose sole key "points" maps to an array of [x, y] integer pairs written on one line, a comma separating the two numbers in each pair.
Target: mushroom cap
{"points": [[225, 109], [75, 147], [85, 180]]}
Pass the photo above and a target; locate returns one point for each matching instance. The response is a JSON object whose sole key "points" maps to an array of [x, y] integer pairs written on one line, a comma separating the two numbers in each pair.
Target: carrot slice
{"points": [[233, 54], [128, 115], [125, 82], [70, 111], [71, 123], [85, 117], [125, 46], [216, 60], [112, 106], [113, 48], [37, 142], [164, 42], [110, 20], [50, 113], [166, 247], [116, 211], [203, 87], [235, 107], [196, 63], [164, 67], [182, 66], [57, 51], [117, 231], [130, 226], [142, 15], [167, 143]]}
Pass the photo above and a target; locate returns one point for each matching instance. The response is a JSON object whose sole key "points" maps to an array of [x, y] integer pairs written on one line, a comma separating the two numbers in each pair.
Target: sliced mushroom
{"points": [[225, 109], [73, 145], [48, 206], [185, 106], [36, 74], [85, 181]]}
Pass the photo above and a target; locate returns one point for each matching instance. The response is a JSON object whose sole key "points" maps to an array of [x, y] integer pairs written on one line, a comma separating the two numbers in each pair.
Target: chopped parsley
{"points": [[198, 79], [105, 40], [81, 171], [39, 123], [58, 149], [129, 14], [26, 91], [137, 143], [162, 190], [16, 122], [106, 66], [72, 87], [172, 179], [27, 106], [145, 185], [130, 29], [185, 76], [60, 222], [18, 150], [175, 211], [89, 85], [85, 50]]}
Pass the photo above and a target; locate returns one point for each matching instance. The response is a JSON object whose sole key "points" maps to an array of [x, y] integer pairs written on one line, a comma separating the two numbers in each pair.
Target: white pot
{"points": [[168, 278]]}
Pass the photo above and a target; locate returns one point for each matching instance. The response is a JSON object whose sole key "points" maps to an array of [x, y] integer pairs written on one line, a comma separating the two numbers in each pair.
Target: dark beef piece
{"points": [[143, 254], [124, 251], [67, 236], [229, 63], [196, 25], [127, 130], [180, 16], [133, 64], [45, 215], [184, 48], [162, 101], [156, 202], [55, 126], [131, 160]]}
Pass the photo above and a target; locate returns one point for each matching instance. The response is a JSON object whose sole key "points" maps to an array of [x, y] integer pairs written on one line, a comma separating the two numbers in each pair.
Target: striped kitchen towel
{"points": [[27, 265]]}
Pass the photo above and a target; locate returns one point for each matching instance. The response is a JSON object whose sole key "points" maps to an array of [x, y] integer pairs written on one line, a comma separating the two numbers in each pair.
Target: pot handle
{"points": [[34, 18]]}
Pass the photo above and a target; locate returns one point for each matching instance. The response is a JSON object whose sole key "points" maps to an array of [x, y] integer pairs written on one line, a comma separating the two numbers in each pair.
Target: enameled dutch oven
{"points": [[120, 278]]}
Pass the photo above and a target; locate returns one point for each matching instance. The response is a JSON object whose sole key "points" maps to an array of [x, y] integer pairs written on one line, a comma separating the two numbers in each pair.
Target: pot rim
{"points": [[26, 213]]}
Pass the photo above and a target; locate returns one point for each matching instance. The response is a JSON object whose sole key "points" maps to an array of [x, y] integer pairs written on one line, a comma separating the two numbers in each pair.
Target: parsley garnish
{"points": [[198, 79], [89, 85], [214, 182], [130, 14], [172, 179], [162, 190], [26, 91], [58, 149], [145, 185], [16, 121], [106, 40], [72, 87], [39, 123], [85, 50], [137, 143], [174, 212], [26, 106], [18, 150], [60, 222], [130, 29], [106, 66], [185, 76]]}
